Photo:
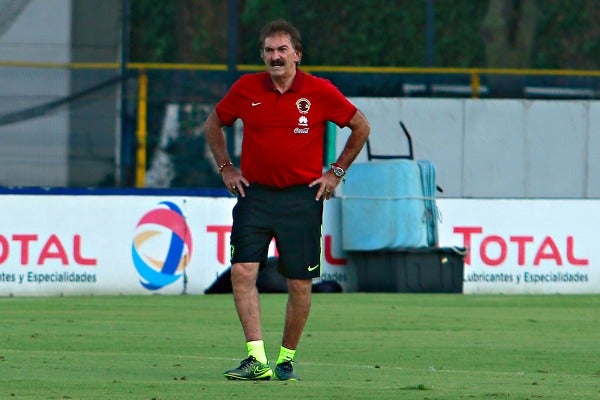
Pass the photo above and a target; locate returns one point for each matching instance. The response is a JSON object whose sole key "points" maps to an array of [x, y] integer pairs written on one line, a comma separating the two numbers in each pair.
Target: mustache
{"points": [[277, 63]]}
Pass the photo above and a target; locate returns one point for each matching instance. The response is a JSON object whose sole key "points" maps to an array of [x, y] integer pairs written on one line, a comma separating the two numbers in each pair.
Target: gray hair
{"points": [[281, 26]]}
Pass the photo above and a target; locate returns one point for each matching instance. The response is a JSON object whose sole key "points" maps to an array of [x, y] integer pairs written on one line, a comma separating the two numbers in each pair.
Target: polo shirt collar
{"points": [[296, 85]]}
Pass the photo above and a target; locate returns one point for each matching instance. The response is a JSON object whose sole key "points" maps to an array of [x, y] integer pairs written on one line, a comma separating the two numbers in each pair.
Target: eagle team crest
{"points": [[303, 105]]}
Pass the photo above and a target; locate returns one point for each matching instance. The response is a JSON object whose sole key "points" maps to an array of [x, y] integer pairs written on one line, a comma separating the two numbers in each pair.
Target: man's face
{"points": [[279, 55]]}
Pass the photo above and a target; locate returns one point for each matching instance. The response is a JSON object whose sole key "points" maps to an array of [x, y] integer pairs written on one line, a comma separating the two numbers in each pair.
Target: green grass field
{"points": [[355, 346]]}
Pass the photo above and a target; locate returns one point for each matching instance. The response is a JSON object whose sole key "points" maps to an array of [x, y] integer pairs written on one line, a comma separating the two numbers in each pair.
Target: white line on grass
{"points": [[430, 369]]}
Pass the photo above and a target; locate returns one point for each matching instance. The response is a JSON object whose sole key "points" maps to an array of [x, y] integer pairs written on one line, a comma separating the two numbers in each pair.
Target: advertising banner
{"points": [[112, 244], [61, 244], [525, 246]]}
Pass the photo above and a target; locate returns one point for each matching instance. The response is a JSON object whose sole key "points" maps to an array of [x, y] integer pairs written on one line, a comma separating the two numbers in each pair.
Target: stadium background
{"points": [[87, 85], [60, 125]]}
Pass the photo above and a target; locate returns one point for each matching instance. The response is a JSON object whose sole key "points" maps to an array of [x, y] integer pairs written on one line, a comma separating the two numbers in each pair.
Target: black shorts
{"points": [[292, 216]]}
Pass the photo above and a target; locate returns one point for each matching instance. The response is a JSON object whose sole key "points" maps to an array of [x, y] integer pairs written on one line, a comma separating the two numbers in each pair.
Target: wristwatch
{"points": [[337, 170]]}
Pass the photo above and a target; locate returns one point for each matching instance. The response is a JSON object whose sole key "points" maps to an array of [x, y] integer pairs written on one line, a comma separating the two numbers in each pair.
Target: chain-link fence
{"points": [[78, 125], [57, 126]]}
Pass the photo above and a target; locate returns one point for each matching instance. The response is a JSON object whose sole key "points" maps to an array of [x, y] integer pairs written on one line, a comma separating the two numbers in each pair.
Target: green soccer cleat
{"points": [[285, 372], [250, 369]]}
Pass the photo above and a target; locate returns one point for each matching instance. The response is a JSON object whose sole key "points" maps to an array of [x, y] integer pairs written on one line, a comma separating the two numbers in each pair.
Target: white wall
{"points": [[494, 148], [40, 32], [35, 151]]}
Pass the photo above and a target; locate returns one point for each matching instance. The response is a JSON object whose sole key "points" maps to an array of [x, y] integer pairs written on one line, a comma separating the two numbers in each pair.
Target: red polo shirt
{"points": [[283, 132]]}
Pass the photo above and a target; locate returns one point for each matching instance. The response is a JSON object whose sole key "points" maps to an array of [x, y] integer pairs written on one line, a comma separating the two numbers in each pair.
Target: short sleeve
{"points": [[340, 110], [228, 108]]}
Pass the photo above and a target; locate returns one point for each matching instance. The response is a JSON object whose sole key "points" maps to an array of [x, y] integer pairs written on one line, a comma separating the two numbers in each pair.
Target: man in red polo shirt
{"points": [[280, 185]]}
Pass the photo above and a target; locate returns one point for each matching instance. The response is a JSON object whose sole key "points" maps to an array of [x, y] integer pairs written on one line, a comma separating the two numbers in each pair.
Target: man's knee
{"points": [[244, 273], [300, 287]]}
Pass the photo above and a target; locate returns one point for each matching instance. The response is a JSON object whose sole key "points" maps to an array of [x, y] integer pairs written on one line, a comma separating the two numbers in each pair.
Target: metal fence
{"points": [[86, 125]]}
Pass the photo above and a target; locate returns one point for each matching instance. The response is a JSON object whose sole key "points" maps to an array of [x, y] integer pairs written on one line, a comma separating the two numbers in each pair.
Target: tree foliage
{"points": [[508, 30], [152, 27], [468, 33], [568, 35]]}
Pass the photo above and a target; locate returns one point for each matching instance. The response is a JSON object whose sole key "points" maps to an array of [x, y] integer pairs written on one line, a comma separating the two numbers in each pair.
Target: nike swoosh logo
{"points": [[310, 269], [259, 370], [255, 104]]}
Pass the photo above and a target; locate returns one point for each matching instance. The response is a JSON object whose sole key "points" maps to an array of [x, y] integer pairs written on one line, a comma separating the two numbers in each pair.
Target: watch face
{"points": [[338, 172]]}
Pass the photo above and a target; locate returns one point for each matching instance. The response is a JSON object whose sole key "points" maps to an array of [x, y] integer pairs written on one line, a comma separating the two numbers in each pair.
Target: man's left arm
{"points": [[360, 130]]}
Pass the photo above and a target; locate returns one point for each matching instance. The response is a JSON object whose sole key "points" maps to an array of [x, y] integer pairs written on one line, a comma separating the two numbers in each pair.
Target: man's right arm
{"points": [[215, 136]]}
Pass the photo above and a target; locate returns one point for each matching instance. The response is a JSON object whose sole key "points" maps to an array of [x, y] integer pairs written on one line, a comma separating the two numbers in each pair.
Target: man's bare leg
{"points": [[247, 304], [298, 308], [246, 299]]}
